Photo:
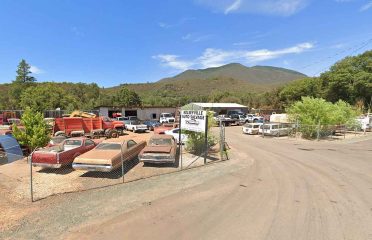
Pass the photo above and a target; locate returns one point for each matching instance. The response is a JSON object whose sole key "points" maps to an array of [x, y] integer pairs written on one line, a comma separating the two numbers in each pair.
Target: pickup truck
{"points": [[166, 118], [250, 118], [226, 120], [62, 155], [135, 126]]}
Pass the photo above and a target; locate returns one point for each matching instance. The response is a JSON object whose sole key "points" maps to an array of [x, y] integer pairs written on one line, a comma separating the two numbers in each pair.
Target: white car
{"points": [[135, 126], [253, 118], [251, 128], [166, 118], [175, 133]]}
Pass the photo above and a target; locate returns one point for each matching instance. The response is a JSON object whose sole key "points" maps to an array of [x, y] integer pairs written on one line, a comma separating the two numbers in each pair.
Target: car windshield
{"points": [[167, 115], [160, 141], [109, 146], [57, 140], [136, 123], [73, 142]]}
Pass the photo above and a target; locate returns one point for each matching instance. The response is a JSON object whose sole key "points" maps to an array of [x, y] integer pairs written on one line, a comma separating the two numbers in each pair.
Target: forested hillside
{"points": [[349, 79]]}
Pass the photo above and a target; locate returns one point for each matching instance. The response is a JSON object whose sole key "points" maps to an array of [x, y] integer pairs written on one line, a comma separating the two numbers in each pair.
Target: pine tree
{"points": [[23, 73]]}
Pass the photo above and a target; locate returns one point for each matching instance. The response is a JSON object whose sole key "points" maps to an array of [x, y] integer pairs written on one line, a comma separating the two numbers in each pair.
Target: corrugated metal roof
{"points": [[220, 105]]}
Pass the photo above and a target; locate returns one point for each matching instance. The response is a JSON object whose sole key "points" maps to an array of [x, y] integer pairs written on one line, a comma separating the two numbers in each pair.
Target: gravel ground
{"points": [[278, 162]]}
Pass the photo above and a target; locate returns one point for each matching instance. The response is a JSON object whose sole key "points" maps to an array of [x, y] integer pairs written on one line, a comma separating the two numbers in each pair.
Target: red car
{"points": [[165, 127], [63, 154]]}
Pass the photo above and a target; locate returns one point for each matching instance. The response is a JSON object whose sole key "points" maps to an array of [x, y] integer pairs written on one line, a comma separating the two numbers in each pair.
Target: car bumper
{"points": [[155, 160], [92, 167], [141, 130], [47, 165]]}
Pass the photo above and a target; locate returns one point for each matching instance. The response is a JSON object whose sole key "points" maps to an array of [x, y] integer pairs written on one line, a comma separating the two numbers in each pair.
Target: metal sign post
{"points": [[122, 160], [206, 140], [180, 143]]}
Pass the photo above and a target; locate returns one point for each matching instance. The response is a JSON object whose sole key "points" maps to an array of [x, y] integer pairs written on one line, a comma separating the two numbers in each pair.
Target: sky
{"points": [[113, 42]]}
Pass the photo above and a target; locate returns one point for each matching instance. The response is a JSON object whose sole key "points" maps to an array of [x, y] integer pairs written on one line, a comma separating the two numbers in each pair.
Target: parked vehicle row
{"points": [[86, 154], [270, 129]]}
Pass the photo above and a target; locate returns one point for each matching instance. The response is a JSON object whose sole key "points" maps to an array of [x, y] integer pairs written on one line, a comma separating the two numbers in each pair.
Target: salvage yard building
{"points": [[219, 108], [142, 113]]}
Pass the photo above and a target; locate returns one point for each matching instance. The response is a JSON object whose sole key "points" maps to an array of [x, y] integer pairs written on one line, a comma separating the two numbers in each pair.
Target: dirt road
{"points": [[293, 190], [271, 189]]}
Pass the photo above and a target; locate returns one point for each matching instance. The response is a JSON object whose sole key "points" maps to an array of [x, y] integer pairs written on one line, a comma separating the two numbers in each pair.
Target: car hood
{"points": [[157, 149]]}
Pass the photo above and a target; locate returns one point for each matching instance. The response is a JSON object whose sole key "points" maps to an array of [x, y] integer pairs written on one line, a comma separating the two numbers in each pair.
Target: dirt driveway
{"points": [[271, 189]]}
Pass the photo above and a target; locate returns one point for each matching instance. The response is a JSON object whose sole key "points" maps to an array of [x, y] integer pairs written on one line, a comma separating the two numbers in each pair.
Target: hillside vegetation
{"points": [[260, 87]]}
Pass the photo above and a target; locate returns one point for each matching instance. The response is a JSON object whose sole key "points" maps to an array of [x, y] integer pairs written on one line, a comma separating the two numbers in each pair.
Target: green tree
{"points": [[312, 112], [294, 91], [128, 98], [35, 132], [23, 73], [21, 83], [349, 79], [47, 97]]}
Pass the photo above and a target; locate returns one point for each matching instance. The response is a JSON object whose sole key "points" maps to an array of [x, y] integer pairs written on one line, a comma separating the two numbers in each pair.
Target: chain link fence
{"points": [[301, 131], [64, 168]]}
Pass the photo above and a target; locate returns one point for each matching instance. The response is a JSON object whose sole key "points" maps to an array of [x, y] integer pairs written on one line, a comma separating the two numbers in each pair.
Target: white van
{"points": [[275, 129], [251, 128]]}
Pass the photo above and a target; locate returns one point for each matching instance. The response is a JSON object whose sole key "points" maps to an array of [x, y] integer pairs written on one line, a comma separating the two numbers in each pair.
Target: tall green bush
{"points": [[34, 131], [313, 113]]}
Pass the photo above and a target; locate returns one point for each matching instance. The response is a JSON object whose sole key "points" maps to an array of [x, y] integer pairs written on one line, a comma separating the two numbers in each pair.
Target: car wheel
{"points": [[113, 134]]}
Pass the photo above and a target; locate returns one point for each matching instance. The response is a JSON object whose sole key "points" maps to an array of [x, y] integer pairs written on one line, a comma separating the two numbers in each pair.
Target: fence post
{"points": [[122, 160], [206, 139], [344, 131], [263, 128], [221, 142], [31, 176], [180, 142], [318, 131], [296, 128]]}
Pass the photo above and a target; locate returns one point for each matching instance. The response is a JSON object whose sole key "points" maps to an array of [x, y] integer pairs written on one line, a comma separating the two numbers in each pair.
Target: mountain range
{"points": [[233, 77]]}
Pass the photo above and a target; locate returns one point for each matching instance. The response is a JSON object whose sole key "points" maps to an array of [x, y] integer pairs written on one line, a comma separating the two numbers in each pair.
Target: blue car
{"points": [[151, 124]]}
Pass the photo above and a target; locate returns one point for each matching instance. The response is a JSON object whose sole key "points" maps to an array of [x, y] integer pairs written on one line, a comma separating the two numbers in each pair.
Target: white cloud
{"points": [[193, 37], [172, 61], [216, 57], [366, 6], [243, 43], [36, 70], [268, 7], [164, 25], [234, 6], [77, 31]]}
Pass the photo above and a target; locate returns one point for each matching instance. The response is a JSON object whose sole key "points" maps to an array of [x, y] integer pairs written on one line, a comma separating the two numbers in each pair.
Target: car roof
{"points": [[76, 138], [161, 136]]}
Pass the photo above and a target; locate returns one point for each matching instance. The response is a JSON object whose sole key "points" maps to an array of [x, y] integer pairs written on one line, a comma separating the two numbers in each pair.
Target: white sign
{"points": [[193, 120]]}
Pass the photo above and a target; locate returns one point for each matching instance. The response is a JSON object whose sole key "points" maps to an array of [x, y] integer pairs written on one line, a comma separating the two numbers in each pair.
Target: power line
{"points": [[359, 47], [354, 49]]}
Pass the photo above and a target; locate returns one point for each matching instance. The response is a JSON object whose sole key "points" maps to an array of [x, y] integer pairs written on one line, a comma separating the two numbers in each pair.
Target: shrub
{"points": [[35, 132], [313, 113], [196, 141]]}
